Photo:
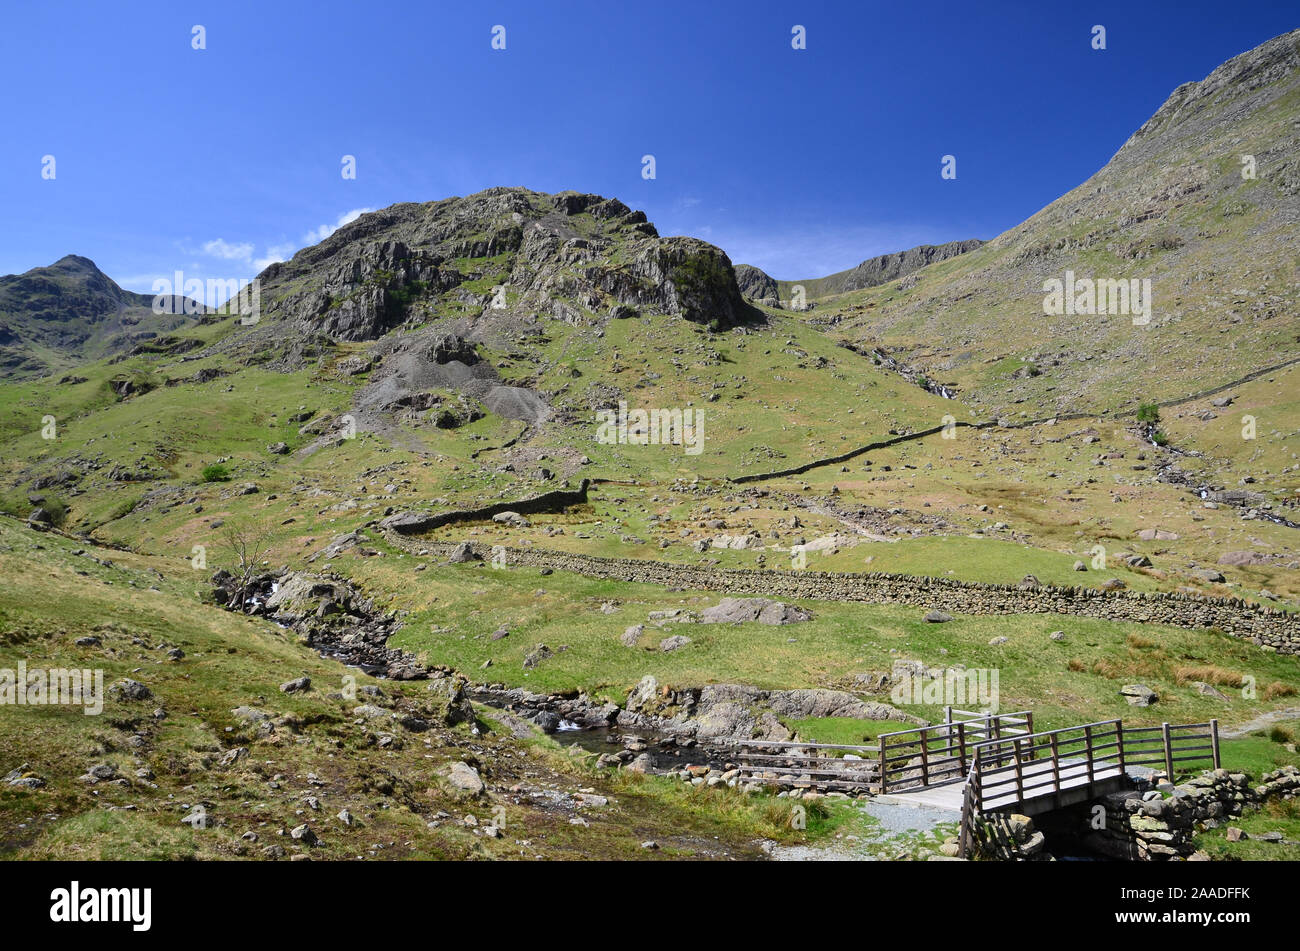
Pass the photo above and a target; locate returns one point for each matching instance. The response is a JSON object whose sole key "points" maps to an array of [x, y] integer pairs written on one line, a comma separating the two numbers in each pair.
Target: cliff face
{"points": [[496, 262]]}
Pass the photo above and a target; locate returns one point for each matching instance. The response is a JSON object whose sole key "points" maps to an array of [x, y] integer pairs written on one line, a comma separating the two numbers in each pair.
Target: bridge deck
{"points": [[1073, 777]]}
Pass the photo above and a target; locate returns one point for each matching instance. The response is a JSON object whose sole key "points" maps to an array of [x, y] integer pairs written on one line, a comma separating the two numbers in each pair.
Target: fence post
{"points": [[1214, 741], [1169, 752], [884, 780], [1087, 740], [961, 747], [925, 756], [1020, 778]]}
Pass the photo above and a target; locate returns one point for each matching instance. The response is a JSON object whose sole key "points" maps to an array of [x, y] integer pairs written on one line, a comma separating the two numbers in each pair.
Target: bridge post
{"points": [[1087, 739], [1020, 776], [961, 747], [1169, 752], [884, 778], [1214, 741], [925, 756]]}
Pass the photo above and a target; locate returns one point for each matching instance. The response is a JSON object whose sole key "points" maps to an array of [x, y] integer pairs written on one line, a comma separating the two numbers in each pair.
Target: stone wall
{"points": [[1267, 627], [1159, 824], [416, 523]]}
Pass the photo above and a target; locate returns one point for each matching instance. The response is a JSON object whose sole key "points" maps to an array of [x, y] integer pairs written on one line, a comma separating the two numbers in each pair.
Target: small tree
{"points": [[1148, 413], [249, 543]]}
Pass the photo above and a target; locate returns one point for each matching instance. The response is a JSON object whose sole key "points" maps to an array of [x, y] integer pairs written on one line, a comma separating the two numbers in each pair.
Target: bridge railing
{"points": [[1011, 770], [919, 756], [934, 755], [1172, 746], [832, 766]]}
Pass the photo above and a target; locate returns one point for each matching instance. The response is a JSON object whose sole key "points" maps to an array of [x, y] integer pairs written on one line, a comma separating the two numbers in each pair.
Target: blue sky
{"points": [[803, 162]]}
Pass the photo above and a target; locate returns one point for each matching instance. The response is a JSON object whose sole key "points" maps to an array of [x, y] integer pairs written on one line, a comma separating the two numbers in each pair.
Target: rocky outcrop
{"points": [[755, 284], [720, 712], [887, 267], [760, 610], [578, 258]]}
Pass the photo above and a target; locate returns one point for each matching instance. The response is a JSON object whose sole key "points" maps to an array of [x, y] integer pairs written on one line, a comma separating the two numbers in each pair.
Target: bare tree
{"points": [[249, 542]]}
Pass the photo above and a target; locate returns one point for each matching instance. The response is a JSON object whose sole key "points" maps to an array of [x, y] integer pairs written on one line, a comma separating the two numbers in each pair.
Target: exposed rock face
{"points": [[755, 284], [431, 284], [888, 267], [739, 711], [553, 256]]}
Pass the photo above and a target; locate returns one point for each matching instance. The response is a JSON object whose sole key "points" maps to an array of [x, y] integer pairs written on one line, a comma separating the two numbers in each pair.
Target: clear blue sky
{"points": [[802, 162]]}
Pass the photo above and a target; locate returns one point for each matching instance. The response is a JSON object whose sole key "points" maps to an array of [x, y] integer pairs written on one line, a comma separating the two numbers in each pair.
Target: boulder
{"points": [[761, 610], [462, 554], [1242, 559], [1139, 695], [465, 779]]}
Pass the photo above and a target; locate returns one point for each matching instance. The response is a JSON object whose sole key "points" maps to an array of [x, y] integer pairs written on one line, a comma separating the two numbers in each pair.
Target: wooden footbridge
{"points": [[978, 763]]}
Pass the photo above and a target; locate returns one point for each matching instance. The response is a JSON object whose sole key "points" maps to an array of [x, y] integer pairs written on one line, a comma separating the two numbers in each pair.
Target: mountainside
{"points": [[757, 285], [1173, 208], [496, 263], [57, 316], [511, 464]]}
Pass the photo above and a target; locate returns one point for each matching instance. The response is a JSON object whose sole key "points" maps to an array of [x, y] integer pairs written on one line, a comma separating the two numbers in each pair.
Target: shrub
{"points": [[1148, 413], [215, 473], [1159, 438]]}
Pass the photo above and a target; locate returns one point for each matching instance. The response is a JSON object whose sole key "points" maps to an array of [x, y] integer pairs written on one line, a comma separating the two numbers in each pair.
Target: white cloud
{"points": [[223, 249], [274, 252], [317, 235]]}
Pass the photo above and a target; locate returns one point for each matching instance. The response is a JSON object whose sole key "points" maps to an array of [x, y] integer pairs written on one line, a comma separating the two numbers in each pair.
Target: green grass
{"points": [[1277, 816], [468, 603]]}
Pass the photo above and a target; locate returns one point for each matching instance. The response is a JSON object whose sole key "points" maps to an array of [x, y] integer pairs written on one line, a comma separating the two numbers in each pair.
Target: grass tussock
{"points": [[1210, 674], [1278, 689]]}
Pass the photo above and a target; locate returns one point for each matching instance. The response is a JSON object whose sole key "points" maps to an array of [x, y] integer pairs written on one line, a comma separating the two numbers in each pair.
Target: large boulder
{"points": [[760, 610]]}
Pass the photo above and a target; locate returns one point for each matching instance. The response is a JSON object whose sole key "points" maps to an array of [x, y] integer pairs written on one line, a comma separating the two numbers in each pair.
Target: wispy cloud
{"points": [[274, 253], [317, 235], [220, 248]]}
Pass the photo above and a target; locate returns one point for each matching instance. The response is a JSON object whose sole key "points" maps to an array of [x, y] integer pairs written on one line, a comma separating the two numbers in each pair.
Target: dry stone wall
{"points": [[1269, 628]]}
